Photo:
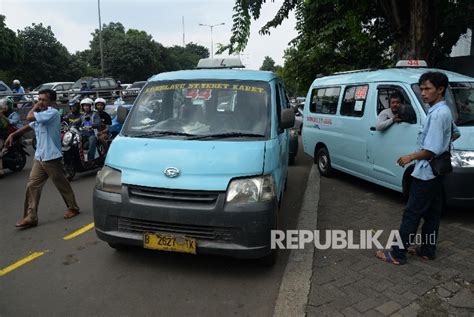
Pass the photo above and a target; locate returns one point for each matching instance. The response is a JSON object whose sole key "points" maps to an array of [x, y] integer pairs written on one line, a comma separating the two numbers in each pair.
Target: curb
{"points": [[296, 282]]}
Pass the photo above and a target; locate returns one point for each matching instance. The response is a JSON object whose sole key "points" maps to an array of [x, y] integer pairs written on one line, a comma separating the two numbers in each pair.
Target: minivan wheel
{"points": [[118, 246], [324, 162]]}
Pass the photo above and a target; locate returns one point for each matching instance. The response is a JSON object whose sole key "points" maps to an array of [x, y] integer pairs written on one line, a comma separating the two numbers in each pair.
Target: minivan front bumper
{"points": [[458, 187], [241, 231]]}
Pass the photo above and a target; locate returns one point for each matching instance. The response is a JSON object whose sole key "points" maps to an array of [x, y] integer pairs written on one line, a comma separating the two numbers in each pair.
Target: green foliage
{"points": [[133, 55], [269, 65], [45, 59], [10, 49], [336, 35]]}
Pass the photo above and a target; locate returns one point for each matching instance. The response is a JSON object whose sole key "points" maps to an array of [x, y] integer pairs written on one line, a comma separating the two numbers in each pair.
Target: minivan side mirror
{"points": [[287, 119], [122, 113]]}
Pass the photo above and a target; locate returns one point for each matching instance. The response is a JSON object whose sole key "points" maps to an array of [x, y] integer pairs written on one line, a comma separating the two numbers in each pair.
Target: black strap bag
{"points": [[441, 164]]}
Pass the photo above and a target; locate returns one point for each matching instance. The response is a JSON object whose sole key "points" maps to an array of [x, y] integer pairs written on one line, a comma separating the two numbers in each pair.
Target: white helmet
{"points": [[16, 82], [87, 101], [100, 100]]}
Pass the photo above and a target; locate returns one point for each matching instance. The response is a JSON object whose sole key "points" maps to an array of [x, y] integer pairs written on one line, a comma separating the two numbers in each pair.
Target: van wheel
{"points": [[291, 160], [324, 162], [118, 246]]}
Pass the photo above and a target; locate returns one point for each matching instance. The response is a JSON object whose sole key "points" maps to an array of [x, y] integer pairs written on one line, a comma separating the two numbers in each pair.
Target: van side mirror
{"points": [[122, 113], [287, 119]]}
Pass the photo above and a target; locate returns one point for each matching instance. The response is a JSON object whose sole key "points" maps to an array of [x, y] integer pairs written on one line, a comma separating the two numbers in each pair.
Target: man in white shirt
{"points": [[389, 116]]}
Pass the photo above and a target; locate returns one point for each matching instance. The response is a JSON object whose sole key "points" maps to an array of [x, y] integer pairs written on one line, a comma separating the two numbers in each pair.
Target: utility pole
{"points": [[211, 27], [184, 42], [100, 42]]}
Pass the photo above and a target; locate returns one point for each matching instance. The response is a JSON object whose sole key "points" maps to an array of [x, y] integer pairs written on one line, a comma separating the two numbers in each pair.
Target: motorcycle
{"points": [[75, 148], [14, 157]]}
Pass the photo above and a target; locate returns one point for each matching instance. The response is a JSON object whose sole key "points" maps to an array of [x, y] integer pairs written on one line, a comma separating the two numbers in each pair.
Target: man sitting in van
{"points": [[389, 116]]}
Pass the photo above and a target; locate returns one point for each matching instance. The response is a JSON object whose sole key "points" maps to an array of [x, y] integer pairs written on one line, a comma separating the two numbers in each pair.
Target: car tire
{"points": [[291, 159], [323, 161], [118, 246]]}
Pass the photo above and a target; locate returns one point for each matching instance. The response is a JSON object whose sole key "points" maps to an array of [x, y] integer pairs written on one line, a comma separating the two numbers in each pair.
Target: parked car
{"points": [[62, 87], [133, 90], [5, 90], [299, 117], [98, 87]]}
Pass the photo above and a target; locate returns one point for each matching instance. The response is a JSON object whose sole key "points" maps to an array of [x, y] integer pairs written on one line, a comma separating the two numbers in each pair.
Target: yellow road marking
{"points": [[23, 261], [79, 232]]}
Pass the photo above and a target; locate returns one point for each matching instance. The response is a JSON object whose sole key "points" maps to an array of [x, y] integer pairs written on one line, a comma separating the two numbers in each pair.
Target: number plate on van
{"points": [[169, 242]]}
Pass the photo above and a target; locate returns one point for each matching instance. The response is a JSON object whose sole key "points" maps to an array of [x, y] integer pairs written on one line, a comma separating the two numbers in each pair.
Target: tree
{"points": [[10, 52], [185, 57], [133, 55], [422, 29], [268, 64], [45, 59]]}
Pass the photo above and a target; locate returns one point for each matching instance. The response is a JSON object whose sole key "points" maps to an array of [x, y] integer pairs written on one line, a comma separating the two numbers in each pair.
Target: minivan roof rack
{"points": [[355, 71], [226, 62]]}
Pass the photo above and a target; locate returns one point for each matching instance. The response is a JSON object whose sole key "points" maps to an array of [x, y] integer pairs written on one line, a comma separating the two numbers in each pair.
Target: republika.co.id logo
{"points": [[336, 239]]}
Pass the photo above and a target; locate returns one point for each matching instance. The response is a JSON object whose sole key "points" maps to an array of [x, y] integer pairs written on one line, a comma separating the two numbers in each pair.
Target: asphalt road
{"points": [[84, 276]]}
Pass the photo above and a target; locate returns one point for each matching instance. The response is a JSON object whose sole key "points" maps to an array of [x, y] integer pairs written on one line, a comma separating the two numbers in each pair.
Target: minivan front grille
{"points": [[174, 195], [192, 231]]}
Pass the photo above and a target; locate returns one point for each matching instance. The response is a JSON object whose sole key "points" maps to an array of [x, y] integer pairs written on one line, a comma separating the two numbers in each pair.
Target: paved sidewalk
{"points": [[354, 282]]}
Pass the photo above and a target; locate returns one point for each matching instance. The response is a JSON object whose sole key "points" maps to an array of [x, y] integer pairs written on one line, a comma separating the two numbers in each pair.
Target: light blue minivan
{"points": [[339, 128], [200, 165]]}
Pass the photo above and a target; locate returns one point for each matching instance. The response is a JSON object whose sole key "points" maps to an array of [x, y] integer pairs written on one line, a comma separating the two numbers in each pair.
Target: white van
{"points": [[339, 131]]}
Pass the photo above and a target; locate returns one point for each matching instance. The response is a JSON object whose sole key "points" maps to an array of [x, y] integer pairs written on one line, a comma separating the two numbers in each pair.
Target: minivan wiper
{"points": [[227, 135], [161, 133]]}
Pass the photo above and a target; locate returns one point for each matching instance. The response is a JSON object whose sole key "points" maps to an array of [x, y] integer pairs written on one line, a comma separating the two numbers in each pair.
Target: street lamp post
{"points": [[100, 42], [211, 27]]}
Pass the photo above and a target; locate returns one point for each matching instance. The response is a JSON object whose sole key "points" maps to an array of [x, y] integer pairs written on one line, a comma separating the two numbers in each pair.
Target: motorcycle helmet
{"points": [[99, 100], [16, 82], [86, 101], [74, 104]]}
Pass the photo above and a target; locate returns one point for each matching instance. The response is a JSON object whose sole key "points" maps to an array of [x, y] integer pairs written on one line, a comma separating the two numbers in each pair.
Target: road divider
{"points": [[21, 262], [79, 232]]}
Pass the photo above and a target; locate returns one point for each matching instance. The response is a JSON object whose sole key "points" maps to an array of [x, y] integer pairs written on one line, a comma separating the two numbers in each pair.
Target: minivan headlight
{"points": [[462, 158], [250, 190], [109, 180]]}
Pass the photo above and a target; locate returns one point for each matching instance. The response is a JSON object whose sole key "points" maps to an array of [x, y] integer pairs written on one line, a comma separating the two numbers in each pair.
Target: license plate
{"points": [[169, 242]]}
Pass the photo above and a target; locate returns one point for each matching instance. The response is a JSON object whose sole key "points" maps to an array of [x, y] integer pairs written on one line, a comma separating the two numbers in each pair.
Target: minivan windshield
{"points": [[201, 109], [460, 99]]}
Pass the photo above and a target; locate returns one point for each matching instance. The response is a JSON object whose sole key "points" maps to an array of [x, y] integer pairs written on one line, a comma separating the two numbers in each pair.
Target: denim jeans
{"points": [[425, 201]]}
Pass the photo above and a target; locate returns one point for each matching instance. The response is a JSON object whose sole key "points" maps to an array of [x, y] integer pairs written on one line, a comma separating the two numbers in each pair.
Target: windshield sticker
{"points": [[200, 86], [361, 92], [202, 94], [358, 105]]}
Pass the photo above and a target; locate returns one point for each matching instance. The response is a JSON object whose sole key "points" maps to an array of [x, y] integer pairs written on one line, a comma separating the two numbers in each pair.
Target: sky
{"points": [[73, 21]]}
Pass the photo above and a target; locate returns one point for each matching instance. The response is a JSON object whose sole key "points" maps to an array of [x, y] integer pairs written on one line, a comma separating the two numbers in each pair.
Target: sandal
{"points": [[71, 214], [417, 251], [386, 256]]}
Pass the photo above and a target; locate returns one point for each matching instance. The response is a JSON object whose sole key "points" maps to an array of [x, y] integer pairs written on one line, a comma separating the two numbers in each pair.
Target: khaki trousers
{"points": [[40, 172]]}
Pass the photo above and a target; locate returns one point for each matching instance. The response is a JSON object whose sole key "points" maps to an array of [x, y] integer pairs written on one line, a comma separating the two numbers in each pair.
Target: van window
{"points": [[460, 99], [406, 111], [201, 108], [325, 100], [353, 103]]}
